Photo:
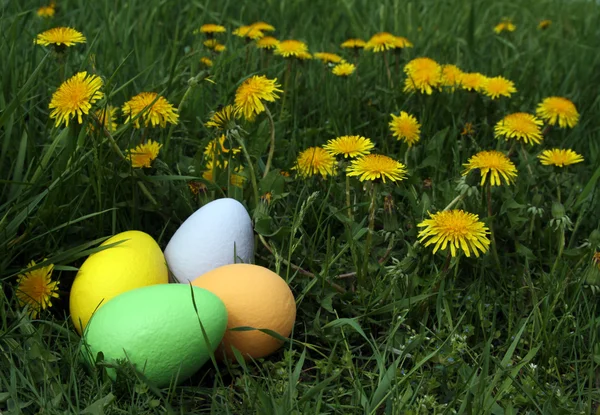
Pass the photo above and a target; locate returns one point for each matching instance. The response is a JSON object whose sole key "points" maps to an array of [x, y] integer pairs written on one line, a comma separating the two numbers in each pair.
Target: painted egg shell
{"points": [[255, 297], [158, 330], [136, 262], [217, 234]]}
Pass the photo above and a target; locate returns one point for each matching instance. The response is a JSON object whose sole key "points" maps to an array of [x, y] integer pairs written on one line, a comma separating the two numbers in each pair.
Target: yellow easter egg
{"points": [[254, 297], [135, 262]]}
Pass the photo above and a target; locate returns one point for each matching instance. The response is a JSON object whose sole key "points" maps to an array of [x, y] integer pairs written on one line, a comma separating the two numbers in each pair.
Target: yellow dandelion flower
{"points": [[377, 166], [47, 11], [154, 109], [498, 86], [235, 179], [473, 81], [494, 163], [75, 96], [506, 25], [405, 127], [291, 48], [451, 76], [402, 42], [349, 146], [208, 174], [252, 92], [60, 36], [520, 126], [212, 168], [558, 110], [354, 44], [211, 43], [217, 147], [36, 289], [219, 48], [266, 198], [315, 160], [206, 61], [423, 74], [304, 56], [267, 42], [223, 119], [468, 129], [196, 187], [107, 117], [265, 27], [380, 42], [249, 32], [544, 24], [211, 28], [343, 69], [457, 228], [327, 57], [559, 157], [144, 154]]}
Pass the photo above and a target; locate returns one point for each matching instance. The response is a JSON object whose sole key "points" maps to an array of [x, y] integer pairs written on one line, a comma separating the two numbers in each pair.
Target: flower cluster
{"points": [[425, 75]]}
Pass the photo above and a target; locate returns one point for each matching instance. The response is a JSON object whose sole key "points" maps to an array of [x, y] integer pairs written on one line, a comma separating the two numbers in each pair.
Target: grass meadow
{"points": [[384, 325]]}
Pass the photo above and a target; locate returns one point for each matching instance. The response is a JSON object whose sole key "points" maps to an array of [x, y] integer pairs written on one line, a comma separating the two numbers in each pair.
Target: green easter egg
{"points": [[158, 330]]}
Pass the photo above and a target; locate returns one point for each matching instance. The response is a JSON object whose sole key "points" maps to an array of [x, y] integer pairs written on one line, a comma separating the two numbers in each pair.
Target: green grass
{"points": [[395, 334]]}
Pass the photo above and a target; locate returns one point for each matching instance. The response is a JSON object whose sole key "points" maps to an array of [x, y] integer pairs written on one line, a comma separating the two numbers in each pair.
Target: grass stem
{"points": [[492, 233], [272, 142]]}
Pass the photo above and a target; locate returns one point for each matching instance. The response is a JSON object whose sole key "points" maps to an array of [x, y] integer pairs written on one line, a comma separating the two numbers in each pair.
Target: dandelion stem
{"points": [[531, 225], [348, 205], [147, 193], [447, 263], [524, 152], [511, 149], [371, 231], [561, 248], [387, 68], [302, 271], [250, 166], [455, 201], [492, 234], [286, 83], [191, 84], [272, 145], [557, 188], [108, 135], [117, 150], [546, 130], [61, 67]]}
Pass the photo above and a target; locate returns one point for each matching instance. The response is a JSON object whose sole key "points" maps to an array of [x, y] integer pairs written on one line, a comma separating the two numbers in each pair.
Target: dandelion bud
{"points": [[595, 238], [558, 210]]}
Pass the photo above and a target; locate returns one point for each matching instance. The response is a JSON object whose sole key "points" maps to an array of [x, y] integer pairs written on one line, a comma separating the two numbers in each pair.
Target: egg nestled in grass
{"points": [[135, 260], [217, 234], [167, 331], [255, 297]]}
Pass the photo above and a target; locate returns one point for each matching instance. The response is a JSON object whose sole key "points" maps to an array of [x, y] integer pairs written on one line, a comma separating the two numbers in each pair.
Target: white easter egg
{"points": [[219, 233]]}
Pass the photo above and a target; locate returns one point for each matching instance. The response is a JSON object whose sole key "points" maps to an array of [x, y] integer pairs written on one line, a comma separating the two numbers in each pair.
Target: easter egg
{"points": [[255, 297], [217, 234], [137, 261], [158, 330]]}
